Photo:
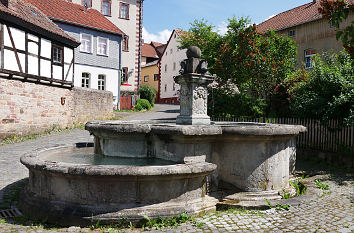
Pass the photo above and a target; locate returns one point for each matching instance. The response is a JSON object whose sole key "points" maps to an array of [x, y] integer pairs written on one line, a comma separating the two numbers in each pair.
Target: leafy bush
{"points": [[328, 93], [148, 93], [227, 104], [145, 104], [138, 107]]}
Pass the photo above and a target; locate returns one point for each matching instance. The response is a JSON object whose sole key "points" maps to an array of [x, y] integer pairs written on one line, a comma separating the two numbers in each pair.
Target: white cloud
{"points": [[222, 28], [161, 37]]}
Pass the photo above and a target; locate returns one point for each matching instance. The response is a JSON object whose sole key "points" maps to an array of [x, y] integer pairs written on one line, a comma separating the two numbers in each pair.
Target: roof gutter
{"points": [[85, 26]]}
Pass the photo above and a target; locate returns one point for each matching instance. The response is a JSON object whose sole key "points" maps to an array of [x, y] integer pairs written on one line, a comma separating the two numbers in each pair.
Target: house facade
{"points": [[98, 59], [150, 65], [311, 33], [169, 68], [127, 15], [33, 47]]}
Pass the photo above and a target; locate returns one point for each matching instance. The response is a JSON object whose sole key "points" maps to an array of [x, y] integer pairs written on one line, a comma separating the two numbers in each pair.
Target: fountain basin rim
{"points": [[216, 128], [33, 160]]}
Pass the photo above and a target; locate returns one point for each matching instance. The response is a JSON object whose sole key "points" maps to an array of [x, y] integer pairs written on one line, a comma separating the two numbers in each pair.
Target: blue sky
{"points": [[162, 16]]}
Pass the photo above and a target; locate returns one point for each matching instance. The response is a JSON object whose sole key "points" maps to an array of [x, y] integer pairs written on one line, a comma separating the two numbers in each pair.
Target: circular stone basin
{"points": [[65, 192]]}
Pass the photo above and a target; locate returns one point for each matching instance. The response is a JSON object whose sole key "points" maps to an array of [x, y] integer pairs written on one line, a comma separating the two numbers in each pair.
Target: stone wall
{"points": [[28, 108]]}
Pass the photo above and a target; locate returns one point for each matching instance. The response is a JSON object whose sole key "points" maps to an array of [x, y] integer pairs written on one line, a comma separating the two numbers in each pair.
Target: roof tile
{"points": [[75, 13], [298, 15], [30, 14]]}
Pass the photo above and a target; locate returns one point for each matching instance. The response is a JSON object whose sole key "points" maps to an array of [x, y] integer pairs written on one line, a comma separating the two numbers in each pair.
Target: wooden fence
{"points": [[330, 138]]}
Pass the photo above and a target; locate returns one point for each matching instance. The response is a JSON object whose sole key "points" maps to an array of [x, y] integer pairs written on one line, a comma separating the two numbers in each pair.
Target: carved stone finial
{"points": [[194, 52], [194, 63]]}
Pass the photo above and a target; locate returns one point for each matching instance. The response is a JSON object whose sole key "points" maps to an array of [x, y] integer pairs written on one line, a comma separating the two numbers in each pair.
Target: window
{"points": [[156, 77], [106, 7], [102, 46], [292, 33], [125, 44], [146, 78], [101, 82], [165, 68], [86, 43], [125, 74], [309, 53], [124, 11], [165, 87], [86, 3], [85, 81], [174, 66], [57, 54]]}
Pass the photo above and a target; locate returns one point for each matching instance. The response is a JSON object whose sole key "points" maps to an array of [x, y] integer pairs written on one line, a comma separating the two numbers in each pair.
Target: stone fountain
{"points": [[200, 157]]}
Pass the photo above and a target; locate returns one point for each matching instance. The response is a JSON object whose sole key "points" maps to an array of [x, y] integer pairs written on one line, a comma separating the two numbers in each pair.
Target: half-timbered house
{"points": [[98, 59], [32, 47]]}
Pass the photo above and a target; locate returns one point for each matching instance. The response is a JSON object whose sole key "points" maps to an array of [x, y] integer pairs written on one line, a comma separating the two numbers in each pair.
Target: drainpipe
{"points": [[119, 71]]}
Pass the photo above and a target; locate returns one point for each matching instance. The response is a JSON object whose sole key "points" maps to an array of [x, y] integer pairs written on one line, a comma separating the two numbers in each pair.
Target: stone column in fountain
{"points": [[193, 83]]}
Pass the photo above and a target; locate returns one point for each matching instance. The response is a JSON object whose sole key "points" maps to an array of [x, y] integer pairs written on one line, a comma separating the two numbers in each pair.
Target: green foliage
{"points": [[285, 194], [280, 206], [145, 104], [228, 104], [138, 108], [337, 12], [253, 62], [321, 185], [299, 187], [174, 222], [328, 93], [2, 221], [147, 92]]}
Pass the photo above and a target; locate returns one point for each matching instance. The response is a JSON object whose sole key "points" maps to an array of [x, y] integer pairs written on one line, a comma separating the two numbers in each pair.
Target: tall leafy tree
{"points": [[337, 11], [254, 62]]}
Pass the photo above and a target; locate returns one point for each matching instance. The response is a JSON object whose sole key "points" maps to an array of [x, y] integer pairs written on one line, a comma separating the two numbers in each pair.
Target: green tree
{"points": [[329, 91], [337, 11], [254, 62]]}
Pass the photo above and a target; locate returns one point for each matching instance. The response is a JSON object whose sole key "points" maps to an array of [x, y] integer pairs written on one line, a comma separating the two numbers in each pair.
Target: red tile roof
{"points": [[155, 44], [296, 16], [21, 12], [147, 50], [62, 10]]}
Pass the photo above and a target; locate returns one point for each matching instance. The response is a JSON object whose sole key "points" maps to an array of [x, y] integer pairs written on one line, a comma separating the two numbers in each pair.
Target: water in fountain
{"points": [[86, 156]]}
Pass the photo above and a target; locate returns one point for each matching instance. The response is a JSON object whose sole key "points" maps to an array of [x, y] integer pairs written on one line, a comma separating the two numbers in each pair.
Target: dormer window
{"points": [[106, 7], [124, 11]]}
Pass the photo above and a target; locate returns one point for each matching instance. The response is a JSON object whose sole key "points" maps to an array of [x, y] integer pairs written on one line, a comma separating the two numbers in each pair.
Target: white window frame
{"points": [[107, 50], [83, 51], [309, 56], [86, 78], [99, 82]]}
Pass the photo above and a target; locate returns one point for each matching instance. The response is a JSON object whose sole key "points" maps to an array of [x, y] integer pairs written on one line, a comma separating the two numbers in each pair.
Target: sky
{"points": [[162, 16]]}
